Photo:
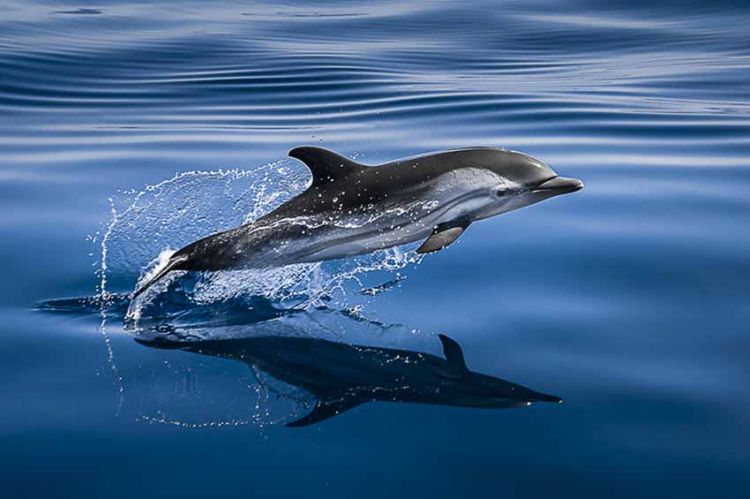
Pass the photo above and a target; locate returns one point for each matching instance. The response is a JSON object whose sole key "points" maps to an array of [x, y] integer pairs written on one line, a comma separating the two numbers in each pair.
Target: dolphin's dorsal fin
{"points": [[325, 409], [453, 353], [443, 235], [326, 166]]}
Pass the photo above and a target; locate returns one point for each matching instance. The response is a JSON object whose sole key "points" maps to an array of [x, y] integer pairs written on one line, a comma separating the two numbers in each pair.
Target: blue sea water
{"points": [[130, 127]]}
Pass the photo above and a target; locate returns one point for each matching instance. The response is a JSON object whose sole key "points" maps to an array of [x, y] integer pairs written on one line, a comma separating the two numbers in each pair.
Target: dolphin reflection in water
{"points": [[343, 376]]}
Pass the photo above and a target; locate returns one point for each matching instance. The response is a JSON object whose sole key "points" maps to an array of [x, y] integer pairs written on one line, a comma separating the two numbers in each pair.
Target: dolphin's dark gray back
{"points": [[341, 184]]}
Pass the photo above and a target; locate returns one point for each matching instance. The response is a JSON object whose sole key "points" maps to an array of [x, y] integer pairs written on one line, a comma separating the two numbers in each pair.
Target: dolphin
{"points": [[343, 376], [351, 209]]}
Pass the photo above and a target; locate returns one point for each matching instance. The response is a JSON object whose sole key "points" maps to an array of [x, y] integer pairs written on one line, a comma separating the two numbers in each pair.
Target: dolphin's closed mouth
{"points": [[559, 185]]}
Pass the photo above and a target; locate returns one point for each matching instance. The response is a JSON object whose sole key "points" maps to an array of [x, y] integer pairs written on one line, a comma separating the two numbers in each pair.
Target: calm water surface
{"points": [[629, 299]]}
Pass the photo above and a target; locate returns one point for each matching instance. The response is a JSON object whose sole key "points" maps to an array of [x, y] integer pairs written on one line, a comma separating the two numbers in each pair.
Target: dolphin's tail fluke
{"points": [[173, 262]]}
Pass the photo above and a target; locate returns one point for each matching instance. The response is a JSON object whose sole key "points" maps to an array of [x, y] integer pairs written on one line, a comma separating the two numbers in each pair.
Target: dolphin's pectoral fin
{"points": [[439, 240], [442, 236], [453, 352], [326, 166], [325, 409]]}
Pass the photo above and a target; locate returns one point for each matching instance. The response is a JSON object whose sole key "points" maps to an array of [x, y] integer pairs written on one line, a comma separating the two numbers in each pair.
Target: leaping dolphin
{"points": [[351, 209], [343, 376]]}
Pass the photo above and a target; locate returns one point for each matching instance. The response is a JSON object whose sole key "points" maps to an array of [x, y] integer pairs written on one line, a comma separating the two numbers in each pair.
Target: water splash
{"points": [[190, 205], [318, 299]]}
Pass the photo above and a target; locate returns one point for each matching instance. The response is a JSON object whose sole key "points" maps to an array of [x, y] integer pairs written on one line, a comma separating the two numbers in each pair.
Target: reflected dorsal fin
{"points": [[453, 353], [325, 409], [326, 166]]}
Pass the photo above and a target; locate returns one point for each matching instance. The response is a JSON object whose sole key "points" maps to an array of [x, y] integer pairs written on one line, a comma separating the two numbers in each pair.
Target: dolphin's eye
{"points": [[500, 192]]}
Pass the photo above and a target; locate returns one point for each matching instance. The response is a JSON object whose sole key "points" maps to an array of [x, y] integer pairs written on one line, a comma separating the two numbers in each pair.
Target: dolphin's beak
{"points": [[559, 185], [543, 397]]}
